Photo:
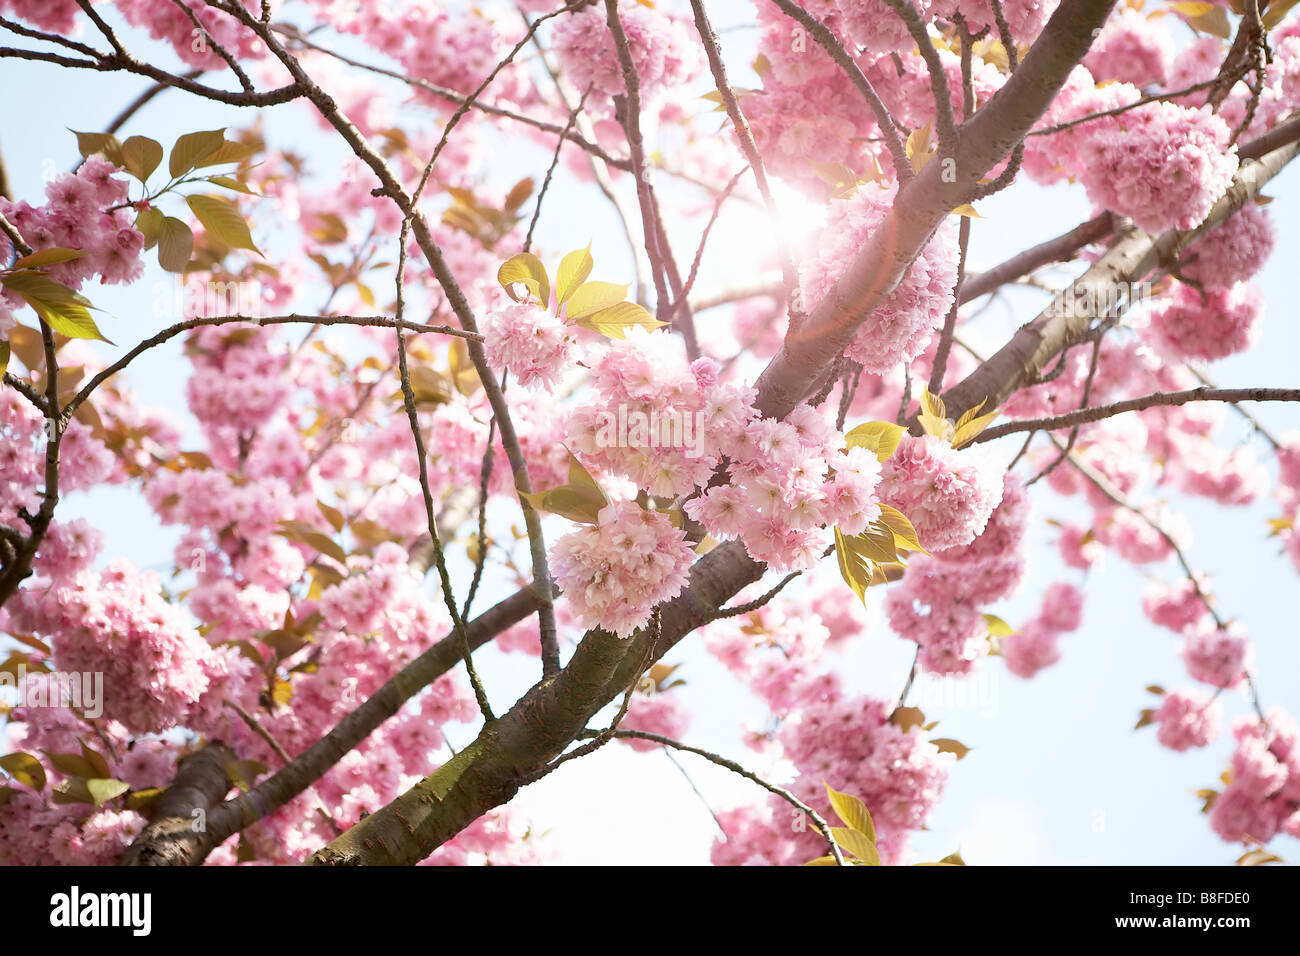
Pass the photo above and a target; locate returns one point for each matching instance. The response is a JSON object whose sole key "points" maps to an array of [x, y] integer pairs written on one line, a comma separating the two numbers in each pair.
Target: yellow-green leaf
{"points": [[306, 534], [574, 269], [852, 811], [855, 570], [175, 244], [223, 220], [882, 438], [933, 416], [576, 504], [96, 761], [1213, 20], [1276, 11], [967, 210], [614, 322], [998, 627], [593, 297], [24, 768], [4, 356], [149, 223], [918, 148], [190, 149], [101, 790], [64, 310], [72, 764], [581, 479], [897, 523], [48, 257], [970, 424], [231, 183], [141, 801], [91, 143], [858, 844], [227, 152], [141, 156], [527, 270]]}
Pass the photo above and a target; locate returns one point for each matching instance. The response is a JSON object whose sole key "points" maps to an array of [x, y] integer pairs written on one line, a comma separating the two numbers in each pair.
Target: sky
{"points": [[1056, 774]]}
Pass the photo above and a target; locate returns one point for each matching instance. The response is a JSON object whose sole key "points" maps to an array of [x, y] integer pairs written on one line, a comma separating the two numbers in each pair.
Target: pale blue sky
{"points": [[1056, 774]]}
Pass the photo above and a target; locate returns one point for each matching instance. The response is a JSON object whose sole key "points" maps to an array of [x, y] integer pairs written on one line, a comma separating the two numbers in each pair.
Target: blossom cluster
{"points": [[80, 213]]}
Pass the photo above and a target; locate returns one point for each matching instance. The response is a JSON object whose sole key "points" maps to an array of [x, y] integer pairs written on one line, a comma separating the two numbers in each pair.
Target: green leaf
{"points": [[175, 244], [4, 356], [301, 533], [574, 269], [96, 761], [879, 437], [527, 270], [933, 416], [227, 152], [822, 861], [858, 844], [48, 257], [614, 322], [149, 222], [72, 790], [24, 768], [855, 570], [64, 310], [223, 220], [230, 183], [141, 801], [954, 859], [852, 811], [74, 765], [918, 148], [1277, 10], [1205, 18], [192, 148], [568, 502], [580, 478], [592, 297], [101, 791], [141, 156], [91, 143], [969, 425], [900, 527], [998, 627]]}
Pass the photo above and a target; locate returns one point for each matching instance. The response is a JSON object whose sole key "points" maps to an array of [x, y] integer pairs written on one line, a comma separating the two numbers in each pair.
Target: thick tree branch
{"points": [[924, 203], [1131, 257], [171, 840]]}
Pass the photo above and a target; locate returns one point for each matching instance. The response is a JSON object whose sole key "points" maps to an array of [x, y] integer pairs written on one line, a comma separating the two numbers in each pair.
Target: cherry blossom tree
{"points": [[406, 401]]}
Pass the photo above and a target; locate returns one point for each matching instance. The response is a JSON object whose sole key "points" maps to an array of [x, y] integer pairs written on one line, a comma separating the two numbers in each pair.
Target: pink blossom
{"points": [[616, 573], [1187, 718]]}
